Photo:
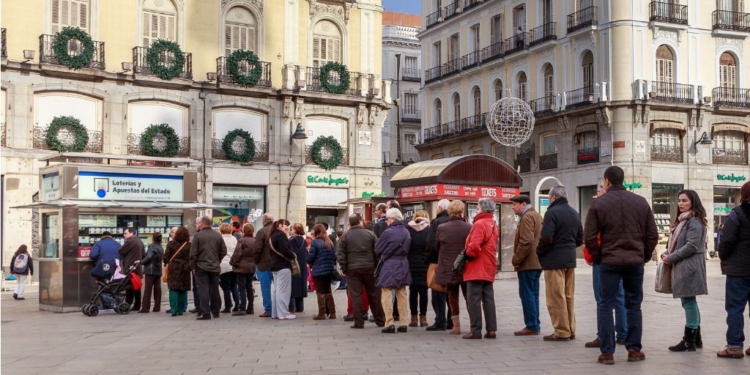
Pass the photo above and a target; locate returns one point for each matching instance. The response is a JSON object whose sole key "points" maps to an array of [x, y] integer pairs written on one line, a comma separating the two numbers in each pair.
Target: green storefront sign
{"points": [[631, 186], [368, 194], [730, 177], [330, 180]]}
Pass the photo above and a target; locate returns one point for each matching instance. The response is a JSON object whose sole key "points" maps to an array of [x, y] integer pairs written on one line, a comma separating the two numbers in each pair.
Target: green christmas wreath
{"points": [[333, 147], [62, 52], [72, 126], [160, 140], [233, 67], [155, 62], [325, 74], [242, 149]]}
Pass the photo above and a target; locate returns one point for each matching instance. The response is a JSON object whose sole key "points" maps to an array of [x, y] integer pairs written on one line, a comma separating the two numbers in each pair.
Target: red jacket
{"points": [[481, 245]]}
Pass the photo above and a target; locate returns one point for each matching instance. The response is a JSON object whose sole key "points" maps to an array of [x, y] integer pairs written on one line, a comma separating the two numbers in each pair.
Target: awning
{"points": [[118, 204], [587, 128], [731, 127], [482, 170], [667, 125]]}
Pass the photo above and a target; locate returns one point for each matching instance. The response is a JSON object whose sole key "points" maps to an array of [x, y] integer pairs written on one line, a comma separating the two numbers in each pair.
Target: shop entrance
{"points": [[321, 215]]}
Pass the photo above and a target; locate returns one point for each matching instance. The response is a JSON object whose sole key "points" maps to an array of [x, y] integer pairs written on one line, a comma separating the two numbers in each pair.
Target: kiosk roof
{"points": [[483, 170]]}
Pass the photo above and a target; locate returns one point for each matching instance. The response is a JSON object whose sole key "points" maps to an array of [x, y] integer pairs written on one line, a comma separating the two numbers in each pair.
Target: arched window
{"points": [[587, 69], [438, 112], [240, 31], [476, 96], [727, 71], [456, 107], [549, 80], [664, 65], [159, 21], [666, 145], [498, 89], [326, 43], [730, 147], [73, 13], [522, 82]]}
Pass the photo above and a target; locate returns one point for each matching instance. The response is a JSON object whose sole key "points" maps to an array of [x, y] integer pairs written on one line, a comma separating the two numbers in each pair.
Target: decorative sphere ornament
{"points": [[511, 122]]}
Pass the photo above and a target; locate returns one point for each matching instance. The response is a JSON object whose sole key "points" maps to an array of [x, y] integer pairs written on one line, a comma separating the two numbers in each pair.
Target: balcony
{"points": [[672, 154], [261, 150], [731, 97], [471, 3], [543, 106], [492, 52], [432, 19], [735, 157], [141, 65], [515, 44], [470, 60], [411, 115], [313, 81], [408, 158], [523, 161], [466, 125], [75, 48], [66, 138], [134, 146], [433, 74], [668, 13], [672, 92], [223, 75], [4, 45], [542, 34], [451, 9], [579, 97], [411, 75], [588, 155], [582, 19], [450, 68], [547, 162], [309, 157], [731, 23]]}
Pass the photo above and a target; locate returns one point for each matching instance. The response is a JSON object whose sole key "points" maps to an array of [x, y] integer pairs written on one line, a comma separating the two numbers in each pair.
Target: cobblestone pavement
{"points": [[37, 342]]}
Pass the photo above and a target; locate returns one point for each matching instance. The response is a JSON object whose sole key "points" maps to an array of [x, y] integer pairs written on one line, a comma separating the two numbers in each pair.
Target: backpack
{"points": [[22, 262]]}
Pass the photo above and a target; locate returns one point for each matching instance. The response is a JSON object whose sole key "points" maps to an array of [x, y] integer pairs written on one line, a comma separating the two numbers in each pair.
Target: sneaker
{"points": [[635, 356], [288, 317], [608, 358]]}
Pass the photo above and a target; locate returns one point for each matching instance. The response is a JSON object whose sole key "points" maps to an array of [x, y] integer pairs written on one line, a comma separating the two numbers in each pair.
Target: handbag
{"points": [[165, 275], [293, 261], [663, 283], [379, 266], [460, 262], [135, 281], [431, 276]]}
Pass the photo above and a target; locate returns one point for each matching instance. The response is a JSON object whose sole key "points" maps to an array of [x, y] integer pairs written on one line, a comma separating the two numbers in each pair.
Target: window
{"points": [[587, 140], [667, 139], [409, 153], [159, 21], [549, 144], [326, 43], [70, 13], [498, 151], [410, 102], [549, 81], [438, 112], [437, 54], [730, 5], [456, 107], [583, 4], [547, 15], [457, 153], [453, 48], [522, 86], [496, 29], [477, 99], [519, 18], [664, 65], [438, 5], [727, 71], [475, 46], [477, 150], [240, 31], [729, 142], [587, 66], [498, 89], [410, 64]]}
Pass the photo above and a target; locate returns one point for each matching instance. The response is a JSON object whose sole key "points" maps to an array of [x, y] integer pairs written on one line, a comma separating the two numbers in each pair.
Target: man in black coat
{"points": [[131, 253], [206, 252], [562, 232], [380, 224], [439, 299]]}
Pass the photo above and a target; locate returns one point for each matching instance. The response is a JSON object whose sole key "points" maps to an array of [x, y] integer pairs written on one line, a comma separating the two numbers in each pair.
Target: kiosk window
{"points": [[50, 236]]}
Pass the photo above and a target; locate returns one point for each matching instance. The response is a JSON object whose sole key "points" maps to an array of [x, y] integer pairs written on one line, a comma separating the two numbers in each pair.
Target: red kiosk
{"points": [[468, 178]]}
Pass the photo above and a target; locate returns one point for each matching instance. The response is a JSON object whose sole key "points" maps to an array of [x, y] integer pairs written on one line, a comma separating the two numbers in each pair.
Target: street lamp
{"points": [[704, 140], [299, 133]]}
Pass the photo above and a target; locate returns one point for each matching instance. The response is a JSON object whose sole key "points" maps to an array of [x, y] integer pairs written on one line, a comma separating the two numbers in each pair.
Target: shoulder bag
{"points": [[293, 261], [460, 263], [165, 275]]}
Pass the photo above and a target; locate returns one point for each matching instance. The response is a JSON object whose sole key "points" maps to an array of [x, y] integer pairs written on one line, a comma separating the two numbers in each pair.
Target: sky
{"points": [[403, 6]]}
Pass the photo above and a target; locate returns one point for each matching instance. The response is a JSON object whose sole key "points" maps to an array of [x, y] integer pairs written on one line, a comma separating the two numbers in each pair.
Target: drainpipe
{"points": [[398, 114]]}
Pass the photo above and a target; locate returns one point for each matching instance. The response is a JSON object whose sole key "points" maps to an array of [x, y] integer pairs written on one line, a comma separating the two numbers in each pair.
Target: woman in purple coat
{"points": [[392, 248]]}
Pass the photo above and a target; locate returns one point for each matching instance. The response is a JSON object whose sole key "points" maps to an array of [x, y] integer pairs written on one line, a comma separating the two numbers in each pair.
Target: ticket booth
{"points": [[467, 178], [78, 202]]}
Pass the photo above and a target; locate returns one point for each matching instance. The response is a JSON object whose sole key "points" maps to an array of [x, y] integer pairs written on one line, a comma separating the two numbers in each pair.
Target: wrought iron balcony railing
{"points": [[492, 52], [141, 65], [451, 9], [432, 74], [411, 115], [309, 157], [432, 18], [4, 45], [411, 74], [47, 53], [671, 154], [523, 163], [731, 97], [134, 146], [66, 138], [579, 97], [217, 150], [732, 21], [735, 157], [582, 19], [543, 106], [245, 68], [668, 12], [671, 92], [548, 161], [451, 67], [588, 155], [515, 44], [471, 60], [541, 34], [313, 81], [466, 125]]}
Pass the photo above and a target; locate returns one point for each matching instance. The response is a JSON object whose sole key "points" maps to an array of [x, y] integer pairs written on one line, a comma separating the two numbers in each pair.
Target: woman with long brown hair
{"points": [[21, 265], [299, 283], [322, 261]]}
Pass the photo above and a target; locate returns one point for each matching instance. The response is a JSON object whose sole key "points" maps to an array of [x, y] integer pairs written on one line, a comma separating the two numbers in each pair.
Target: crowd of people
{"points": [[448, 256]]}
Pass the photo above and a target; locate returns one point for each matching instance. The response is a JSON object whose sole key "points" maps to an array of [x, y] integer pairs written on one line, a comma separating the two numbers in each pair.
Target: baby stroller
{"points": [[111, 292]]}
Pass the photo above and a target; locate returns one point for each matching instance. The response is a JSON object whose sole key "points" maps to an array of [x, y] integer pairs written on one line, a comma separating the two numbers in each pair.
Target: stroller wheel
{"points": [[93, 310], [85, 309], [122, 308]]}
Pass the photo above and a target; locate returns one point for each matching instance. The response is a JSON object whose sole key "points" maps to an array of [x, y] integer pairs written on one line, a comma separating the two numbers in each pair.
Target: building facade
{"points": [[656, 87], [116, 96], [402, 65]]}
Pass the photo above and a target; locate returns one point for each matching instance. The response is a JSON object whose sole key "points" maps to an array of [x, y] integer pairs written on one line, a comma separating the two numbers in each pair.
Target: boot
{"points": [[423, 321], [687, 343], [321, 307], [698, 339], [456, 325], [413, 322], [331, 306]]}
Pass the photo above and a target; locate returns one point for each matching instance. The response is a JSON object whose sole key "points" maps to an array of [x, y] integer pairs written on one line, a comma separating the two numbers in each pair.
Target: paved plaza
{"points": [[37, 342]]}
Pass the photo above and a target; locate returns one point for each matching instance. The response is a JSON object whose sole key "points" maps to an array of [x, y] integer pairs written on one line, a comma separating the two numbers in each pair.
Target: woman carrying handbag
{"points": [[177, 271]]}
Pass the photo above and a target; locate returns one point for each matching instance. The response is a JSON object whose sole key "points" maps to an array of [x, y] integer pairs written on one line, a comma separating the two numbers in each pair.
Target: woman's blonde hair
{"points": [[226, 228], [456, 209], [422, 213]]}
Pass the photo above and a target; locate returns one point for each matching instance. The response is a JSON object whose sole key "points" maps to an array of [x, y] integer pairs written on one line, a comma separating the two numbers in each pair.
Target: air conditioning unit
{"points": [[706, 99], [651, 94]]}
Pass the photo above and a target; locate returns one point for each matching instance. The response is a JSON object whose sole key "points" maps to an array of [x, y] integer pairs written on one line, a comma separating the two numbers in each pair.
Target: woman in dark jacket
{"points": [[450, 241], [392, 248], [243, 266], [418, 231], [152, 272], [177, 260], [299, 283], [22, 271], [281, 267], [322, 260]]}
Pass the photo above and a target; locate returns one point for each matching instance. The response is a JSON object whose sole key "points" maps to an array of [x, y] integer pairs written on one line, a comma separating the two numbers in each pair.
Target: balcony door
{"points": [[326, 43], [522, 89], [587, 69], [453, 50], [496, 29], [159, 22], [74, 13], [728, 76], [239, 32], [547, 15], [664, 71]]}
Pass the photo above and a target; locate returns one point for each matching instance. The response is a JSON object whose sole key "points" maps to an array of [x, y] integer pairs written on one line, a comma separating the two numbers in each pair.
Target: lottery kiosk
{"points": [[79, 202]]}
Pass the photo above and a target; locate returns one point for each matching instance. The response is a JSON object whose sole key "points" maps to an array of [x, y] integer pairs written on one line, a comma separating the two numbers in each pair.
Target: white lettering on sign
{"points": [[134, 187], [489, 192]]}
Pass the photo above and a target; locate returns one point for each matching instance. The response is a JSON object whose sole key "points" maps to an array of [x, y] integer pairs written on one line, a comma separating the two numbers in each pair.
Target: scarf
{"points": [[419, 224], [682, 219]]}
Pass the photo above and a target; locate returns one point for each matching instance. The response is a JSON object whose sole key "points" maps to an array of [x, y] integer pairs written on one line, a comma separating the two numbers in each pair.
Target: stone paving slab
{"points": [[37, 342]]}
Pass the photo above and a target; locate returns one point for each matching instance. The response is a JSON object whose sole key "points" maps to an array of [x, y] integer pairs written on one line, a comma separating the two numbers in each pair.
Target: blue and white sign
{"points": [[131, 187]]}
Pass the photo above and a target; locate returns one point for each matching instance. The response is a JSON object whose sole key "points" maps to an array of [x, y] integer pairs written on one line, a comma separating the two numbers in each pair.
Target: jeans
{"points": [[208, 290], [528, 290], [265, 278], [245, 286], [632, 283], [440, 305], [736, 298], [196, 295], [281, 293], [228, 284], [692, 313], [621, 324], [481, 297], [418, 297]]}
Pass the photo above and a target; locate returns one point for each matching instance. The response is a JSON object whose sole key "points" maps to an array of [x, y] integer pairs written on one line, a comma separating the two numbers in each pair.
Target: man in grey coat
{"points": [[207, 251]]}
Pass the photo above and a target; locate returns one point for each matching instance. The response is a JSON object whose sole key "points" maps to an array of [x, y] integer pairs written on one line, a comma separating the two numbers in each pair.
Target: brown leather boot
{"points": [[423, 321], [331, 306], [413, 322], [321, 307], [456, 325]]}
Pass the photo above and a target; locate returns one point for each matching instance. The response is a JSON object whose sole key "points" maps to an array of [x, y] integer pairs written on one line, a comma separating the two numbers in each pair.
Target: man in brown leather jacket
{"points": [[526, 262]]}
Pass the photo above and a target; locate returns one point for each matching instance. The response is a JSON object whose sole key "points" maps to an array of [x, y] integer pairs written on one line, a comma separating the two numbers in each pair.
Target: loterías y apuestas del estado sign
{"points": [[131, 187], [329, 180]]}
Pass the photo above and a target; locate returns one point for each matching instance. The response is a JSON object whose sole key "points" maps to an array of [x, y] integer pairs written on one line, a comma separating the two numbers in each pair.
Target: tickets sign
{"points": [[458, 191]]}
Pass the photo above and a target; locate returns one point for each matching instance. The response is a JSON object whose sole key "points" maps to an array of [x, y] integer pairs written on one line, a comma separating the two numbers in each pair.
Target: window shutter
{"points": [[251, 39], [84, 15], [337, 50], [55, 16], [65, 13], [171, 29], [227, 40]]}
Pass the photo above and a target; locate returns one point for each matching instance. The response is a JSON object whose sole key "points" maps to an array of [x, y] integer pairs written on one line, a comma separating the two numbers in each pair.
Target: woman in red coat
{"points": [[479, 272]]}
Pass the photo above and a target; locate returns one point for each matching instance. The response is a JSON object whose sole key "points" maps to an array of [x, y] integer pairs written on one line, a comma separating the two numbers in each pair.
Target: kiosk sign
{"points": [[458, 191], [132, 187]]}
